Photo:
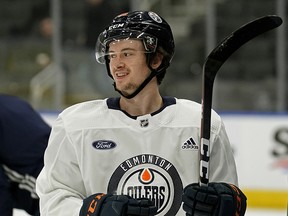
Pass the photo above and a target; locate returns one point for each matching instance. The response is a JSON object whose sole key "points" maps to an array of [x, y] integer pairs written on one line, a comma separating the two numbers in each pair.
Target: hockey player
{"points": [[137, 154], [23, 139]]}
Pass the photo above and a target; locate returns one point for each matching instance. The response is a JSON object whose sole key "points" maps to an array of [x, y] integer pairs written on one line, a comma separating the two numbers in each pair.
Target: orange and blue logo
{"points": [[152, 177]]}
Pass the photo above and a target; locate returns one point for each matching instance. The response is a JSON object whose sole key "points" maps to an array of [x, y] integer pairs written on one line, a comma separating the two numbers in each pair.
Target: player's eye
{"points": [[127, 54], [111, 55]]}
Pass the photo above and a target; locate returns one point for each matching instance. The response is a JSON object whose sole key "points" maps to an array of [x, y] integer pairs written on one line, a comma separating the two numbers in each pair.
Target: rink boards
{"points": [[260, 144]]}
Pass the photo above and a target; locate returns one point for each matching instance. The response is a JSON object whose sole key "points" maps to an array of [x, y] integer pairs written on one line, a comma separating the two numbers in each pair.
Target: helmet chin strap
{"points": [[144, 83]]}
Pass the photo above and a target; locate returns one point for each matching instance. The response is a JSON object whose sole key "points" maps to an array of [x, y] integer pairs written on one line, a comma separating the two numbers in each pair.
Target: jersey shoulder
{"points": [[87, 106], [192, 110], [84, 115]]}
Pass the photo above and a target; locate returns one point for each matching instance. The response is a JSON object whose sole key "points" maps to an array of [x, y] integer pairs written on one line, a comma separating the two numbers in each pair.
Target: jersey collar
{"points": [[114, 103]]}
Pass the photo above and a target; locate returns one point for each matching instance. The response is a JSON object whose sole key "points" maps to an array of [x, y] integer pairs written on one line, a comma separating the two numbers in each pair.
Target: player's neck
{"points": [[142, 104]]}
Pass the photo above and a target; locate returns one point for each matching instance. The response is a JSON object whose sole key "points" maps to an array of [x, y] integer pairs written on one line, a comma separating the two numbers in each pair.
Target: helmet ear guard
{"points": [[160, 71]]}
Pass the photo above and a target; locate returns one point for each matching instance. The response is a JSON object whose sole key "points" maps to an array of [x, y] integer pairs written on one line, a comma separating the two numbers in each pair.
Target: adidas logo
{"points": [[190, 145]]}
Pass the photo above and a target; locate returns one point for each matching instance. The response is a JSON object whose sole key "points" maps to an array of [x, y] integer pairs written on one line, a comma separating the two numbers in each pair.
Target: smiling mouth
{"points": [[121, 74]]}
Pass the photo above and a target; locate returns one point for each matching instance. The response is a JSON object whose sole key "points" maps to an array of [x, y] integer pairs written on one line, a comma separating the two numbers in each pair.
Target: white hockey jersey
{"points": [[95, 147]]}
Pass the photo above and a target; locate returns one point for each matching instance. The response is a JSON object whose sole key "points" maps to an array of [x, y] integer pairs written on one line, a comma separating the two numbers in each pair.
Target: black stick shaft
{"points": [[210, 68]]}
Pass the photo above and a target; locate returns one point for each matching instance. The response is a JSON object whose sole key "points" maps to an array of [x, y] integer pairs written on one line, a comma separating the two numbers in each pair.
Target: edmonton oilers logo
{"points": [[152, 177]]}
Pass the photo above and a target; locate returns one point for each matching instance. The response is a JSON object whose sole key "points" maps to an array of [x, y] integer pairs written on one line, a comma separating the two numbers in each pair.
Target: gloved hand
{"points": [[216, 199], [116, 205]]}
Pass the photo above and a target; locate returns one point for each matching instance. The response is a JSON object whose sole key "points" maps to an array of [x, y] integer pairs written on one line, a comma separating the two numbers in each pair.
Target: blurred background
{"points": [[47, 58], [47, 51]]}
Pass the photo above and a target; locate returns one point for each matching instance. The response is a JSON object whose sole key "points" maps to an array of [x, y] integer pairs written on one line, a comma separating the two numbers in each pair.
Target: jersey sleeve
{"points": [[6, 199], [222, 163], [59, 185]]}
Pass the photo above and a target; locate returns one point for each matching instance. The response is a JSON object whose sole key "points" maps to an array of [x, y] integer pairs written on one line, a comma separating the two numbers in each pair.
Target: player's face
{"points": [[128, 64]]}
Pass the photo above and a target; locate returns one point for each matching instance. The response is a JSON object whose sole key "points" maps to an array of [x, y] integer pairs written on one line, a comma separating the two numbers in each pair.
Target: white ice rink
{"points": [[249, 212]]}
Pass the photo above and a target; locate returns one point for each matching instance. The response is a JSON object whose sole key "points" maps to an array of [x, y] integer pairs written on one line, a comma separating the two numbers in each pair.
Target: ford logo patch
{"points": [[104, 144]]}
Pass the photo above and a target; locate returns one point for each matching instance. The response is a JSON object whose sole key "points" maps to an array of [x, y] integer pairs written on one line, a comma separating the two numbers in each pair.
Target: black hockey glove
{"points": [[116, 205], [216, 199]]}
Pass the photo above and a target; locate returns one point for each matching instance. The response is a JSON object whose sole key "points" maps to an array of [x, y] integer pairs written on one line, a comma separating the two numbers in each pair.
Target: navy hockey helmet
{"points": [[147, 26]]}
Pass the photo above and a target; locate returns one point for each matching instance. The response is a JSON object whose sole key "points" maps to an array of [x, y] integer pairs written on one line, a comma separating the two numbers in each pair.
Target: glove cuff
{"points": [[92, 204], [240, 200]]}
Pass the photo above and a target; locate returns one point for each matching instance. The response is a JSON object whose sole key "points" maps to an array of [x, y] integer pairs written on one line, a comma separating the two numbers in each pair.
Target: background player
{"points": [[23, 140]]}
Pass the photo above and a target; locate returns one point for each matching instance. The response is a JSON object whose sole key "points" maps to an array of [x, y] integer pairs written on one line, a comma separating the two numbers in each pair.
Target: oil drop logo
{"points": [[146, 176]]}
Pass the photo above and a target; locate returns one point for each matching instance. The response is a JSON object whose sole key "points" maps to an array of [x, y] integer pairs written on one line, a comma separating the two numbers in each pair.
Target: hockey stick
{"points": [[210, 68]]}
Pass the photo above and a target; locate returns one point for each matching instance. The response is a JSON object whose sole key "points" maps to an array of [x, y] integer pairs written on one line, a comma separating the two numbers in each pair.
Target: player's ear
{"points": [[156, 60]]}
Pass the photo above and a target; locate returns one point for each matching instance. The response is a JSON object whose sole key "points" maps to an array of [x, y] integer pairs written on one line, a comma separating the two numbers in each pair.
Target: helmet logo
{"points": [[155, 17], [150, 43], [119, 25]]}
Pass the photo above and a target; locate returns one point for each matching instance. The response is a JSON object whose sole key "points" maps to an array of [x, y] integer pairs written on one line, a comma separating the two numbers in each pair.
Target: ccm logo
{"points": [[104, 144]]}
